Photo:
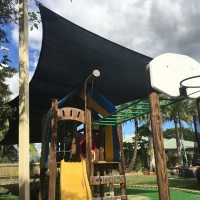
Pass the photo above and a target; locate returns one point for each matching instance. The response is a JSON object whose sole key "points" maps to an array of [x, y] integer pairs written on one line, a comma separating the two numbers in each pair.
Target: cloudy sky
{"points": [[150, 27]]}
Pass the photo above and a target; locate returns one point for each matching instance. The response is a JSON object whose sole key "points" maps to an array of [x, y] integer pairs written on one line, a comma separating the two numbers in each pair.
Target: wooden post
{"points": [[24, 174], [74, 142], [74, 134], [52, 161], [88, 132], [111, 184], [42, 169], [87, 90], [101, 143], [101, 185], [101, 155], [159, 151], [121, 162], [42, 183]]}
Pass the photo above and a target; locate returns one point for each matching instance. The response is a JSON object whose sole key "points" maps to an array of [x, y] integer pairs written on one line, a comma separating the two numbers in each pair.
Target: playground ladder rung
{"points": [[129, 113], [105, 124], [139, 108]]}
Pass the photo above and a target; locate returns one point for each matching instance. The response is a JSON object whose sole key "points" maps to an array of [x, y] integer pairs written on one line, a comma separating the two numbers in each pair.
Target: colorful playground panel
{"points": [[102, 106]]}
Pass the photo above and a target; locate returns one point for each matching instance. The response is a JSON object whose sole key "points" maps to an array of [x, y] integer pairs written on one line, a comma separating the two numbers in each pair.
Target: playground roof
{"points": [[69, 54]]}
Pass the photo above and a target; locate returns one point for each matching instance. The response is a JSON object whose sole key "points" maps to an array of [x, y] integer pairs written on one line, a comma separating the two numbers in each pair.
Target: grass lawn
{"points": [[152, 193], [174, 181]]}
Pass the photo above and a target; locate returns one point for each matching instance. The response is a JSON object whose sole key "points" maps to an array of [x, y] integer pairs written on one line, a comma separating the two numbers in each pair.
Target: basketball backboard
{"points": [[168, 70]]}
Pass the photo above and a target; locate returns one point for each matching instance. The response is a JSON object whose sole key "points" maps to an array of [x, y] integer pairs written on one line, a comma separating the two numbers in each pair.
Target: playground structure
{"points": [[65, 62], [100, 148], [99, 113]]}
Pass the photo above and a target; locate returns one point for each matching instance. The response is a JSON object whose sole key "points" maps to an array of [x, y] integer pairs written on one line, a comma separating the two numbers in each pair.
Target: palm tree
{"points": [[150, 145], [183, 110], [143, 118], [132, 163]]}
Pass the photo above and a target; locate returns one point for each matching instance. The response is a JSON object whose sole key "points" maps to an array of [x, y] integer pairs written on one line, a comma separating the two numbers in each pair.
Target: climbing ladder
{"points": [[131, 111]]}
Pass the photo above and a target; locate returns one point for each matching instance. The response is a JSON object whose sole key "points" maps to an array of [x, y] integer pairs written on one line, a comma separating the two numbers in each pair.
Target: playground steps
{"points": [[101, 180], [103, 176], [108, 198]]}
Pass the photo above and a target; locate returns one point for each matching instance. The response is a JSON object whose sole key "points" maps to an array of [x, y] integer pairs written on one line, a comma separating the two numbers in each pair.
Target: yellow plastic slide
{"points": [[74, 183]]}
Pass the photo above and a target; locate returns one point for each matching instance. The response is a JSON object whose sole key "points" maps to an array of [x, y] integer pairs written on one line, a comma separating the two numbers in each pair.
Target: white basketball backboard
{"points": [[168, 70]]}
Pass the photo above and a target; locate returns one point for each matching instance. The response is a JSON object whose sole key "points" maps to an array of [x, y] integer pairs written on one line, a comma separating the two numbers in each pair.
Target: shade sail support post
{"points": [[24, 187]]}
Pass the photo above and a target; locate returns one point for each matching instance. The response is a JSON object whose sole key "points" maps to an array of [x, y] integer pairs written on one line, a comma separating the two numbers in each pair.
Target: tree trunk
{"points": [[178, 144], [132, 163], [150, 146], [151, 157]]}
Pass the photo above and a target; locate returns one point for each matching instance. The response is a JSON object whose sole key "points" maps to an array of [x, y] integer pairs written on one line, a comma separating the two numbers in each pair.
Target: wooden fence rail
{"points": [[9, 170]]}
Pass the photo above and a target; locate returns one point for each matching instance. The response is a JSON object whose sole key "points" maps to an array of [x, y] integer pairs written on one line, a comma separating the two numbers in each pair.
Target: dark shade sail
{"points": [[69, 54]]}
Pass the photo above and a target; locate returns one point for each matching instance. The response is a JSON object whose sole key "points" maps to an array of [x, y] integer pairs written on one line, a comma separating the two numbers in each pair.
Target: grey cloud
{"points": [[151, 27], [176, 31]]}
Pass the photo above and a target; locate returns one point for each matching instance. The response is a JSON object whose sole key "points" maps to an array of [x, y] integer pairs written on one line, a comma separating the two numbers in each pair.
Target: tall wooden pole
{"points": [[24, 188], [121, 162], [52, 161], [159, 151], [101, 143], [88, 132], [101, 154], [42, 169], [75, 144]]}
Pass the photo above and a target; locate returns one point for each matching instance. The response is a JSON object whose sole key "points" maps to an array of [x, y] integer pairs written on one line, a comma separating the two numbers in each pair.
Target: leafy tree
{"points": [[33, 152], [183, 110], [188, 134], [8, 15], [131, 165], [144, 119], [142, 146], [8, 154], [129, 108], [6, 112]]}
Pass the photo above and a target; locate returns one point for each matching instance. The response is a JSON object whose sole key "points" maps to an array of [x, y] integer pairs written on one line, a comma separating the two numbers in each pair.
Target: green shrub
{"points": [[138, 164], [172, 160], [189, 158], [196, 158]]}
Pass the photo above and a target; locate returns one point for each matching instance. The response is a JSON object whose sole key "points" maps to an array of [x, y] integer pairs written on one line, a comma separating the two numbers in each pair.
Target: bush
{"points": [[172, 160], [189, 158], [196, 158], [138, 164]]}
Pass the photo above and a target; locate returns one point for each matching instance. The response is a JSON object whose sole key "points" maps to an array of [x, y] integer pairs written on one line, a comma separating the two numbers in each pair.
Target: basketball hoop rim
{"points": [[181, 83]]}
